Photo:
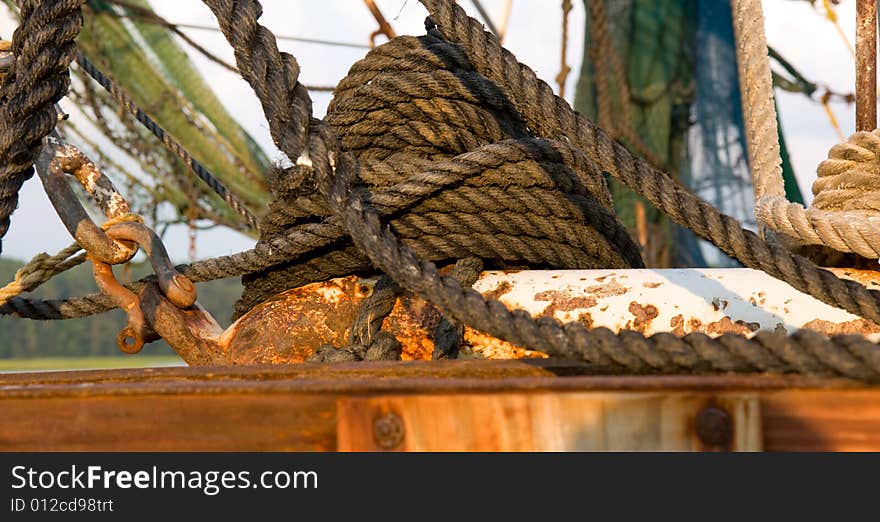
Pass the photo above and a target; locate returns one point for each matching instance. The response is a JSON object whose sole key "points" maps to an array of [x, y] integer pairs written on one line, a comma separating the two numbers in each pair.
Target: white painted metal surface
{"points": [[712, 301]]}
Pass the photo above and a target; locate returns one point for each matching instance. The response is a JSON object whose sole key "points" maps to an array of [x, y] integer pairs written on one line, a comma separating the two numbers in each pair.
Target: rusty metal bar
{"points": [[866, 65], [96, 184], [175, 288], [131, 338], [384, 27]]}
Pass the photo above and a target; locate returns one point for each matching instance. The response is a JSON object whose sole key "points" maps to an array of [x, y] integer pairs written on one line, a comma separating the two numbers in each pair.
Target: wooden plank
{"points": [[576, 421], [490, 405], [465, 376], [816, 420], [162, 423]]}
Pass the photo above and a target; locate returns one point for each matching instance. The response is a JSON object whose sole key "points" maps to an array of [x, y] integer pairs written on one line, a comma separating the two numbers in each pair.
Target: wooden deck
{"points": [[455, 405]]}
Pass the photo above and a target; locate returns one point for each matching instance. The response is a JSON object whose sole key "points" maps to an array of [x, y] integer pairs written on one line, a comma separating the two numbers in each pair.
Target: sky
{"points": [[795, 28]]}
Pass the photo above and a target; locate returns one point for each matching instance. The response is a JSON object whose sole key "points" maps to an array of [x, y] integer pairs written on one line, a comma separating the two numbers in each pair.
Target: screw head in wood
{"points": [[714, 427], [388, 430]]}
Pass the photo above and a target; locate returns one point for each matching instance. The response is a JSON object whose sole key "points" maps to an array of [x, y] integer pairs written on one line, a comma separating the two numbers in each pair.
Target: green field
{"points": [[87, 363]]}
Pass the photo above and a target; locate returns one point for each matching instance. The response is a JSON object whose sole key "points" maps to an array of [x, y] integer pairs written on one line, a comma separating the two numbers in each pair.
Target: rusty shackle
{"points": [[118, 244], [175, 287]]}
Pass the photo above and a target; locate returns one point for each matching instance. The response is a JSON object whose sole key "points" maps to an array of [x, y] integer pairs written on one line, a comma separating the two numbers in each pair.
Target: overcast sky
{"points": [[799, 31]]}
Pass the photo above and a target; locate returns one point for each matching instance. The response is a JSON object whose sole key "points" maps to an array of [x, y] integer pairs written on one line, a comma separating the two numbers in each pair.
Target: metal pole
{"points": [[866, 65]]}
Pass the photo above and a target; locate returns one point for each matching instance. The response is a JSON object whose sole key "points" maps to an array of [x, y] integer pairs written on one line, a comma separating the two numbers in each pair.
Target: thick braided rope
{"points": [[44, 267], [805, 352], [297, 241], [663, 192], [416, 101], [39, 270], [848, 179], [756, 90], [43, 47]]}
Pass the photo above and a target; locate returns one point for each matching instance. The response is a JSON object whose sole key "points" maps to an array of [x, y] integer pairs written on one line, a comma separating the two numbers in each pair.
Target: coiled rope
{"points": [[356, 210], [464, 175], [845, 213]]}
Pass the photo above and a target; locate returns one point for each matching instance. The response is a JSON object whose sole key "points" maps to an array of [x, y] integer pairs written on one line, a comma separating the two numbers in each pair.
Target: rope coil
{"points": [[43, 46], [404, 111]]}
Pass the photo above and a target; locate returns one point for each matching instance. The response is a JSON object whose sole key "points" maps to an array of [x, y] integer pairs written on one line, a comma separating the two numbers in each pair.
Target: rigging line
{"points": [[169, 142], [831, 15], [799, 83], [156, 20], [485, 16], [505, 19], [301, 39], [151, 16], [144, 15]]}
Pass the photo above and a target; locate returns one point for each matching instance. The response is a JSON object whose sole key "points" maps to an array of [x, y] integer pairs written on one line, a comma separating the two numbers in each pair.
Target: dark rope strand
{"points": [[449, 334], [43, 47], [805, 351], [695, 351]]}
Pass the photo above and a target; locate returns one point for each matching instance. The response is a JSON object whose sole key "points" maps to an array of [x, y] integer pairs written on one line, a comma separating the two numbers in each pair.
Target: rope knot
{"points": [[849, 180], [845, 214]]}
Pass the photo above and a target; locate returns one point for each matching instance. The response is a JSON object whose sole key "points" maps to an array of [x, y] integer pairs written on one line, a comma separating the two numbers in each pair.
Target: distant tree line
{"points": [[90, 336]]}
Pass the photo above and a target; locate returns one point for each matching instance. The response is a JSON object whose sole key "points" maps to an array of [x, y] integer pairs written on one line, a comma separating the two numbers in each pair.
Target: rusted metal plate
{"points": [[681, 301], [486, 404], [291, 326]]}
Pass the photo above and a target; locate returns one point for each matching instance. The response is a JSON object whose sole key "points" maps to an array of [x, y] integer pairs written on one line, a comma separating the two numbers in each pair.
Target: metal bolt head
{"points": [[388, 431], [714, 427], [183, 283]]}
